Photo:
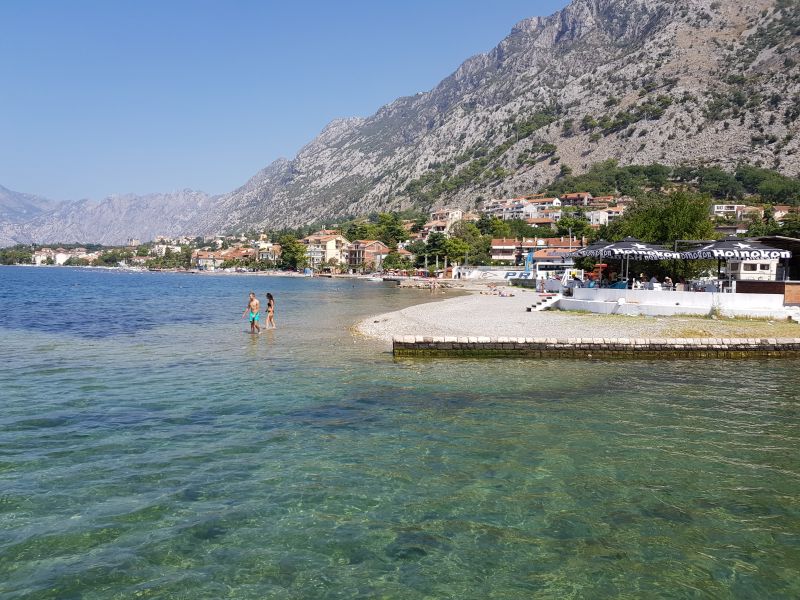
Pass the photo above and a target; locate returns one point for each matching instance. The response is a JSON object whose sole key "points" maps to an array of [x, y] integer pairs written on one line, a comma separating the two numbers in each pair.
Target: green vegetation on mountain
{"points": [[609, 178], [479, 163]]}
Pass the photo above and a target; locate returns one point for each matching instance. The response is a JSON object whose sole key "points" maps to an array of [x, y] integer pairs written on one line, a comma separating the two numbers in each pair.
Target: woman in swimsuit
{"points": [[270, 311]]}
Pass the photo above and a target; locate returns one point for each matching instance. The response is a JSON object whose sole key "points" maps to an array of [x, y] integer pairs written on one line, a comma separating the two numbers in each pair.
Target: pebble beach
{"points": [[494, 316]]}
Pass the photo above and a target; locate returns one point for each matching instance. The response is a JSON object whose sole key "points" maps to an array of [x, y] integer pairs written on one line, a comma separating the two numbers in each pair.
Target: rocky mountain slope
{"points": [[633, 80], [16, 207], [110, 221]]}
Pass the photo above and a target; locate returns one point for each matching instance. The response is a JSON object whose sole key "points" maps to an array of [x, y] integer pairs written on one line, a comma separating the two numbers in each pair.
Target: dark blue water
{"points": [[150, 448]]}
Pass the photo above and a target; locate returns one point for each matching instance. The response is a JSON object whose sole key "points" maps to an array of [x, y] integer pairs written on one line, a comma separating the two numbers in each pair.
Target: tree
{"points": [[500, 228], [456, 250], [293, 253], [484, 224], [780, 189], [395, 262], [718, 183], [435, 247], [766, 225], [17, 255], [418, 248], [660, 218], [588, 123], [390, 229], [657, 175], [360, 230], [479, 252], [790, 226], [577, 226]]}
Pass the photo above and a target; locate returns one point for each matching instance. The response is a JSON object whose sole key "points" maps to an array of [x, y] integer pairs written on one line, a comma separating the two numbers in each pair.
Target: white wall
{"points": [[661, 303]]}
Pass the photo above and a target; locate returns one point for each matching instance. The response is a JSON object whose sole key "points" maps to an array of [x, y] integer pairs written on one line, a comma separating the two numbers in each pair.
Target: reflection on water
{"points": [[172, 455]]}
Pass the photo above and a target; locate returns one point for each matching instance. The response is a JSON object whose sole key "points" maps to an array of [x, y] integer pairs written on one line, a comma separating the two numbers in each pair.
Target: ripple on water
{"points": [[182, 459]]}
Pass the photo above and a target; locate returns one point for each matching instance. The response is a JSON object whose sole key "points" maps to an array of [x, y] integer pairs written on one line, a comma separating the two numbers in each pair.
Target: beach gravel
{"points": [[494, 316]]}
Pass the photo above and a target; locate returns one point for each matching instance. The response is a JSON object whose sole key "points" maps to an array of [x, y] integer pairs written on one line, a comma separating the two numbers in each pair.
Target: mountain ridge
{"points": [[662, 60], [637, 81], [112, 220]]}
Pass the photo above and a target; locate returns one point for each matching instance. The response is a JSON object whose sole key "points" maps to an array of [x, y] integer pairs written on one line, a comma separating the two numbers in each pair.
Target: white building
{"points": [[59, 256], [267, 251], [450, 215], [733, 211], [605, 216], [161, 249]]}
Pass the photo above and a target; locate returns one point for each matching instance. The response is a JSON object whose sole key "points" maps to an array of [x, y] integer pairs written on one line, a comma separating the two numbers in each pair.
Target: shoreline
{"points": [[489, 316]]}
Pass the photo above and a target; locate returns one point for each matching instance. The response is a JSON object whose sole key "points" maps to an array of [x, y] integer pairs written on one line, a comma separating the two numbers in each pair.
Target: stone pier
{"points": [[423, 346]]}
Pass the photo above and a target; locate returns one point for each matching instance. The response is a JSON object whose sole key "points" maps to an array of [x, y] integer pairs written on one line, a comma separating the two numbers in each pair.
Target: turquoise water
{"points": [[149, 448]]}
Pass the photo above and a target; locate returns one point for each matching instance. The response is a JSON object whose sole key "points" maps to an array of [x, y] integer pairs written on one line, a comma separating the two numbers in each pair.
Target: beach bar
{"points": [[750, 289]]}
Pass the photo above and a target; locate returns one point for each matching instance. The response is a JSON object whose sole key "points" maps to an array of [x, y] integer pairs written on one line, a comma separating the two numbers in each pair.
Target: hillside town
{"points": [[502, 231]]}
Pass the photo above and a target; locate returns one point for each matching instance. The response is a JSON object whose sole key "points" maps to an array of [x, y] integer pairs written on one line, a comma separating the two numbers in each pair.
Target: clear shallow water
{"points": [[150, 449]]}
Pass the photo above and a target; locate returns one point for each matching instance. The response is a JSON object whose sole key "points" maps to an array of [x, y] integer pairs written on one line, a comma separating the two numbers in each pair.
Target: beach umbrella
{"points": [[631, 248], [733, 247], [582, 252], [736, 248]]}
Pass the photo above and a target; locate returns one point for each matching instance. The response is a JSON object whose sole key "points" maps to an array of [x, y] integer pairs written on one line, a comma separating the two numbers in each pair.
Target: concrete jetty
{"points": [[636, 348]]}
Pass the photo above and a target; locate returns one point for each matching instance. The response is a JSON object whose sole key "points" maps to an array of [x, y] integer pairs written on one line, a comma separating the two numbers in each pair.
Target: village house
{"points": [[441, 221], [576, 199], [549, 213], [161, 249], [450, 215], [59, 256], [781, 211], [732, 228], [519, 208], [405, 253], [728, 211], [366, 254], [207, 260], [504, 250], [542, 222], [513, 251], [323, 247], [442, 227], [602, 201], [268, 251], [604, 216], [753, 212]]}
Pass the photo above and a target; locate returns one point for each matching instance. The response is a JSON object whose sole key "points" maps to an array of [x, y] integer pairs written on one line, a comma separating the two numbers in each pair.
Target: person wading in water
{"points": [[253, 308], [270, 311]]}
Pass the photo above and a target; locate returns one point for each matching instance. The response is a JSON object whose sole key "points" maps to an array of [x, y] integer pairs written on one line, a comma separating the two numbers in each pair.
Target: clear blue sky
{"points": [[101, 97]]}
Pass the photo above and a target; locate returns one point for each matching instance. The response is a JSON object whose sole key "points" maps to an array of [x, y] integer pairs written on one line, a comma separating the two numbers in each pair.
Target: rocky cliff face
{"points": [[111, 221], [634, 80]]}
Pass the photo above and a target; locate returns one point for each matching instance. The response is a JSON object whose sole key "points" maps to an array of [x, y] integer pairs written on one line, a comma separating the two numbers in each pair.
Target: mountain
{"points": [[111, 221], [638, 81], [16, 207]]}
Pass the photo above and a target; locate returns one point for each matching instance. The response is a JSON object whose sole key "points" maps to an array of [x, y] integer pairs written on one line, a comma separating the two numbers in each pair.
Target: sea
{"points": [[151, 448]]}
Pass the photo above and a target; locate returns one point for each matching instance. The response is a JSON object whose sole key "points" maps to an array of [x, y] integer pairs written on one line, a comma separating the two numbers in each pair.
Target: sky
{"points": [[140, 96]]}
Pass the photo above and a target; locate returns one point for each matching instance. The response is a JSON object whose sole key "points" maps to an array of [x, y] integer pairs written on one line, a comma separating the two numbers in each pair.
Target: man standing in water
{"points": [[253, 308]]}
